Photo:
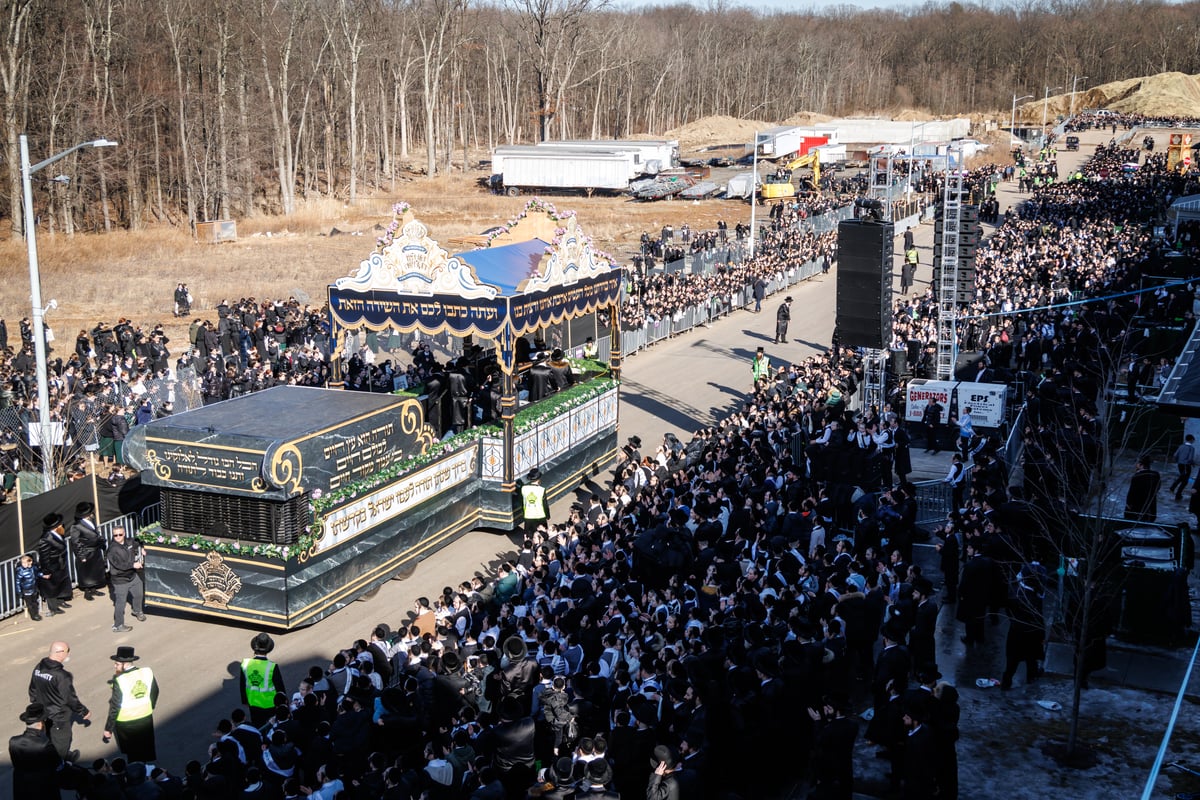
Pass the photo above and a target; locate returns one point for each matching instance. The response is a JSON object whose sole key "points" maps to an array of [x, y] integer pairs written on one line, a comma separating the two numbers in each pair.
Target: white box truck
{"points": [[652, 156], [527, 168]]}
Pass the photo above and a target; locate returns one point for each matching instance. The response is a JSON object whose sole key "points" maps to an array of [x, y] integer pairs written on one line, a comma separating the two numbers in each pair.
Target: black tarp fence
{"points": [[128, 497]]}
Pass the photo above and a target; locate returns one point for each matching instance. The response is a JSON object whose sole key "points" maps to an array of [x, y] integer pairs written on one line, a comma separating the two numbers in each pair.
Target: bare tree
{"points": [[14, 80], [551, 30]]}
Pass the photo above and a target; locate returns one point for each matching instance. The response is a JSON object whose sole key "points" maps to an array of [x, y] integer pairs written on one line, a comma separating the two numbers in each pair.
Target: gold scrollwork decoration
{"points": [[162, 470], [286, 467], [412, 422]]}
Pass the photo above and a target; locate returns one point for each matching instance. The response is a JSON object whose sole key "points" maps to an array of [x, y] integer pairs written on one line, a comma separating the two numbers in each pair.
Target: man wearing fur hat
{"points": [[260, 680]]}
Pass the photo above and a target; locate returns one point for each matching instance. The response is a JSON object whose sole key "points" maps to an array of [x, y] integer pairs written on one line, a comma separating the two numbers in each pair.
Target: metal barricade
{"points": [[604, 348], [934, 502]]}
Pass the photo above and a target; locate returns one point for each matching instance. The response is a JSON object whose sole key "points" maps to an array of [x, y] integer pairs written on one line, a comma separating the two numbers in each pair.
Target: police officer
{"points": [[131, 707], [533, 502], [54, 689], [260, 680]]}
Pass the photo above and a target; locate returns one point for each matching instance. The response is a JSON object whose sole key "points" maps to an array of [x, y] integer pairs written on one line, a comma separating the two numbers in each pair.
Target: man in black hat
{"points": [[599, 776], [260, 680], [663, 784], [125, 560], [560, 371], [833, 756], [920, 776], [782, 318], [35, 762], [55, 580], [88, 546], [131, 707], [1027, 631], [52, 687], [921, 647], [511, 745]]}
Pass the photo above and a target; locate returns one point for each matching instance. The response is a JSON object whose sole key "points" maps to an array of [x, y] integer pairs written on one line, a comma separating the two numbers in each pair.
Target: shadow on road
{"points": [[757, 335]]}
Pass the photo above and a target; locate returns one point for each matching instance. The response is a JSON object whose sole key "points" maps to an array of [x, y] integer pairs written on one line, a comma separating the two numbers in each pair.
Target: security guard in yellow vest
{"points": [[131, 707], [533, 502], [260, 680]]}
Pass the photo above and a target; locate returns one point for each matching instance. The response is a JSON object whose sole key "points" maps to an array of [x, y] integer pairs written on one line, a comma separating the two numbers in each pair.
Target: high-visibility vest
{"points": [[135, 694], [533, 498], [260, 683]]}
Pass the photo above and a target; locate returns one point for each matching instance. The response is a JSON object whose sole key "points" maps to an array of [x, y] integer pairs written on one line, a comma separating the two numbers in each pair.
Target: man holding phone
{"points": [[125, 559]]}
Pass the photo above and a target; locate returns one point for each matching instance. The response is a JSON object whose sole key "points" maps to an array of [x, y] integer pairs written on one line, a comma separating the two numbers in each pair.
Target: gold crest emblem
{"points": [[217, 581]]}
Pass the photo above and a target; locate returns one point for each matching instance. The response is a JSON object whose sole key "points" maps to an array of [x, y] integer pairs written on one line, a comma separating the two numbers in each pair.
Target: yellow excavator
{"points": [[782, 189]]}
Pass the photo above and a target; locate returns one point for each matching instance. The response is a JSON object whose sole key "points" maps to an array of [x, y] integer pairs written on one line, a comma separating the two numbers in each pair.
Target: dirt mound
{"points": [[807, 118], [716, 131], [1164, 94]]}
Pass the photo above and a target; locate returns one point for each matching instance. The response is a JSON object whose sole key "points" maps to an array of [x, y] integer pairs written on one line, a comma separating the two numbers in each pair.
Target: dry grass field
{"points": [[101, 277]]}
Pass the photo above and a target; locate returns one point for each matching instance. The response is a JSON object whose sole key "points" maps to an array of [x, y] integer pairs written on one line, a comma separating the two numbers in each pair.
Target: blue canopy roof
{"points": [[505, 266]]}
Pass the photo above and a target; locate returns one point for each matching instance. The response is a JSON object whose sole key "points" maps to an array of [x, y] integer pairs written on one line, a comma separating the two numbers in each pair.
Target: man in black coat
{"points": [[920, 766], [921, 639], [833, 756], [55, 582], [1141, 501], [53, 688], [511, 746], [35, 763], [978, 590], [783, 318], [540, 380], [1027, 631], [88, 546]]}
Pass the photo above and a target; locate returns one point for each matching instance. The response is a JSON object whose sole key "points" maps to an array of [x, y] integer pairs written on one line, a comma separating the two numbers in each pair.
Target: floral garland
{"points": [[320, 503], [538, 204], [389, 235], [564, 401], [153, 535]]}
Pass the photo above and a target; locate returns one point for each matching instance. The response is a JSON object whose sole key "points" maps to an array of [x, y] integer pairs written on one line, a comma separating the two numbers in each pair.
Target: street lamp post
{"points": [[45, 428], [753, 194], [1012, 123], [1045, 103], [1073, 82]]}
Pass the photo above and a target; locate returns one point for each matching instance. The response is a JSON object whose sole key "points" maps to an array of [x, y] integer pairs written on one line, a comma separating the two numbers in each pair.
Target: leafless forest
{"points": [[242, 107]]}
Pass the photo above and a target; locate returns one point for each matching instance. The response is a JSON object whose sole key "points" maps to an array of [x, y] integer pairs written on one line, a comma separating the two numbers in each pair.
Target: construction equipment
{"points": [[782, 189]]}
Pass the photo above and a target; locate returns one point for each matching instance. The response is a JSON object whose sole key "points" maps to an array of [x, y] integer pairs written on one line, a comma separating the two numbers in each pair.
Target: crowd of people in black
{"points": [[708, 625]]}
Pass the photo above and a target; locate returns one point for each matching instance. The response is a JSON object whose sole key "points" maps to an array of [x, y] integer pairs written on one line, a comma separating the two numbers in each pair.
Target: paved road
{"points": [[677, 385]]}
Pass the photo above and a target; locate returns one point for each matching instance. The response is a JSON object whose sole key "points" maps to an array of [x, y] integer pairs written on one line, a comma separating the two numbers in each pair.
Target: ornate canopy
{"points": [[537, 270]]}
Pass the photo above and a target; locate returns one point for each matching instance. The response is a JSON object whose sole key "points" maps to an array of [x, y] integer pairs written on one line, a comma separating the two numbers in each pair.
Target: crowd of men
{"points": [[709, 624]]}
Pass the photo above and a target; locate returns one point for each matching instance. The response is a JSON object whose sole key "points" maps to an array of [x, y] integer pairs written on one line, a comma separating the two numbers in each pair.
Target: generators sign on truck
{"points": [[986, 400]]}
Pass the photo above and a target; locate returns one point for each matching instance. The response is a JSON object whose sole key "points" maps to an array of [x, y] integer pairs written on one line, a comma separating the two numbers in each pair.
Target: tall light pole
{"points": [[1073, 82], [45, 428], [753, 194], [1046, 102], [1012, 124]]}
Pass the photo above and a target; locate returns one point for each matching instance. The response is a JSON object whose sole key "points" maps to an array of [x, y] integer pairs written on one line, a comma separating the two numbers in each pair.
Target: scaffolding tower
{"points": [[948, 274]]}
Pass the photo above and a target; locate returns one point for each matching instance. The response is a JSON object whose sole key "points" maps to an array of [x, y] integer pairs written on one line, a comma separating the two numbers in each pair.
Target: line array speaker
{"points": [[864, 283]]}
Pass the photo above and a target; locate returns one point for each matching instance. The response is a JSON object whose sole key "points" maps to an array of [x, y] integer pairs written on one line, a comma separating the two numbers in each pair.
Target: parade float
{"points": [[280, 507]]}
